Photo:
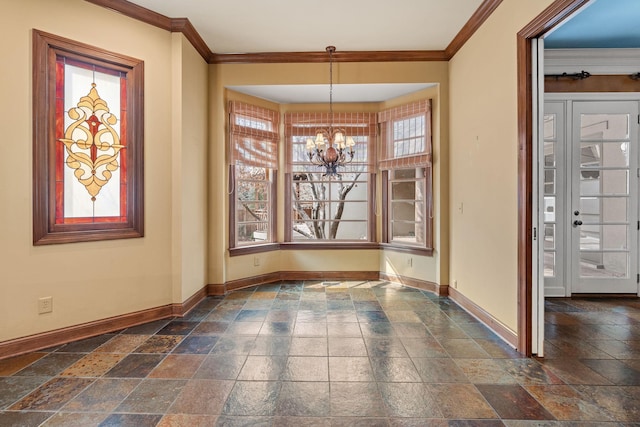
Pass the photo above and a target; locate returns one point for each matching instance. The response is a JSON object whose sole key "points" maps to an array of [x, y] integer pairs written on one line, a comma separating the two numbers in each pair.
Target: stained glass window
{"points": [[88, 164]]}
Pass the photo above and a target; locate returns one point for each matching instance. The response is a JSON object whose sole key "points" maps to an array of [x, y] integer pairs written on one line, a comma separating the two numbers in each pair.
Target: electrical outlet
{"points": [[410, 262], [45, 305], [256, 261], [455, 284]]}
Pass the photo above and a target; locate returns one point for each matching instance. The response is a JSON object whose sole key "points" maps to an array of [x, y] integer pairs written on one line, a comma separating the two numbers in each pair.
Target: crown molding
{"points": [[477, 19], [184, 26]]}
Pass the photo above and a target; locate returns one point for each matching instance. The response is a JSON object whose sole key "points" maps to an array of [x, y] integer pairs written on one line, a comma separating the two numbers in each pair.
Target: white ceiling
{"points": [[251, 26], [257, 26]]}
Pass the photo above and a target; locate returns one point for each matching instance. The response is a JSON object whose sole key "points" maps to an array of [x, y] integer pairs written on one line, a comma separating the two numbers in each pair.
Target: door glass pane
{"points": [[604, 265], [549, 126], [549, 181], [549, 264], [604, 126], [549, 153], [549, 236], [596, 237], [549, 209], [607, 154], [603, 209], [614, 182]]}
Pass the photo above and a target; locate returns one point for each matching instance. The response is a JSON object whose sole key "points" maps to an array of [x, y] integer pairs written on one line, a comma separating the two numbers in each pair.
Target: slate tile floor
{"points": [[335, 354]]}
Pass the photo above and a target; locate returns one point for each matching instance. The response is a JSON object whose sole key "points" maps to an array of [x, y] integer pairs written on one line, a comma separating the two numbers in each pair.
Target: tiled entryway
{"points": [[335, 354]]}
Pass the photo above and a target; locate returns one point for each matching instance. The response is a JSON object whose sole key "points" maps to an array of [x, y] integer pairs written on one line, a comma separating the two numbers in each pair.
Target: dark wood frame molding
{"points": [[184, 26], [549, 18], [597, 83], [257, 248], [61, 336], [45, 231]]}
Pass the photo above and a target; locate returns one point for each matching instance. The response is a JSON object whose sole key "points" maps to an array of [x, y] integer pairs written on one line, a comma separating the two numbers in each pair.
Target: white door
{"points": [[590, 175], [602, 213]]}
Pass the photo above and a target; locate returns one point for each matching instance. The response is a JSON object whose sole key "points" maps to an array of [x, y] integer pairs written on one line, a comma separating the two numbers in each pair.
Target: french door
{"points": [[591, 197]]}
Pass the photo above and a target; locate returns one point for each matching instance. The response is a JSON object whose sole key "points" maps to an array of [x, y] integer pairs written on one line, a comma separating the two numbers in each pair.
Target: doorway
{"points": [[590, 195]]}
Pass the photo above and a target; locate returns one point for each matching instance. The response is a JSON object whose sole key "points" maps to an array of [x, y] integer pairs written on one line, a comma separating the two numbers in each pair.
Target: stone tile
{"points": [[439, 370], [396, 369], [23, 418], [86, 345], [133, 420], [177, 327], [196, 344], [93, 365], [615, 371], [309, 346], [304, 399], [178, 366], [244, 328], [350, 369], [310, 329], [74, 419], [52, 364], [573, 371], [350, 399], [252, 398], [122, 344], [271, 346], [220, 367], [52, 395], [276, 328], [423, 347], [149, 328], [565, 403], [251, 316], [622, 403], [210, 328], [104, 395], [529, 371], [13, 389], [135, 366], [263, 368], [205, 397], [485, 371], [513, 402], [450, 396], [185, 420], [306, 368], [463, 348], [385, 347], [344, 329], [14, 364], [408, 400], [159, 344], [152, 396], [284, 421], [339, 346]]}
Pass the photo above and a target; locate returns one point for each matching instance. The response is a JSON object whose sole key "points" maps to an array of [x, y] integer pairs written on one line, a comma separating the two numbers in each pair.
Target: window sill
{"points": [[407, 249], [254, 249], [329, 245]]}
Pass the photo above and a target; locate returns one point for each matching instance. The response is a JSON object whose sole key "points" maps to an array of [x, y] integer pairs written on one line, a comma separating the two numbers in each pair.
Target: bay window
{"points": [[405, 161]]}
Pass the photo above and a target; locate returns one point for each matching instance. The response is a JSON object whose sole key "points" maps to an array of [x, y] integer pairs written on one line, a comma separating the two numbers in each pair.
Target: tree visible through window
{"points": [[325, 207]]}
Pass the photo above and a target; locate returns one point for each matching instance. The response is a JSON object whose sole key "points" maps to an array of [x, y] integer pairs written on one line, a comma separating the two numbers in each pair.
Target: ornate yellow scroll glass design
{"points": [[91, 142]]}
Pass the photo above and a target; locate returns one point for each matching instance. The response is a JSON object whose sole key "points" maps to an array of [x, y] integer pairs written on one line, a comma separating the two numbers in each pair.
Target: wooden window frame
{"points": [[46, 48], [246, 249], [427, 248], [388, 162]]}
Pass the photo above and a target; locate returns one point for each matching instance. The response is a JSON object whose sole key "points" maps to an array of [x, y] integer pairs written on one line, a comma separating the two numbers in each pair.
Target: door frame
{"points": [[553, 15]]}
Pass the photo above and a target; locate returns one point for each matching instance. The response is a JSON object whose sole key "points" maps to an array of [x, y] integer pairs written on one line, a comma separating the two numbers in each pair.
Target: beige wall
{"points": [[483, 159], [223, 268], [190, 147], [94, 280]]}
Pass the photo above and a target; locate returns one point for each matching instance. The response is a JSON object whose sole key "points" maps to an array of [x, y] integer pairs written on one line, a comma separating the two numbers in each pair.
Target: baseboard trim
{"points": [[61, 336], [86, 330], [478, 312], [424, 285], [234, 285], [180, 310]]}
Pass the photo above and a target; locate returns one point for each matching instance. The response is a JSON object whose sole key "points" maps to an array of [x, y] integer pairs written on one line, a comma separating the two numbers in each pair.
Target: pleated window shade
{"points": [[405, 133], [254, 135], [360, 126]]}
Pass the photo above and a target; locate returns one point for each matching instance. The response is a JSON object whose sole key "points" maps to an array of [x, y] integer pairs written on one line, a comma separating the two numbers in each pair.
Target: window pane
{"points": [[549, 264], [604, 209], [608, 154], [549, 236], [249, 233], [549, 209], [404, 173], [604, 265], [549, 181], [404, 211], [549, 153], [604, 126], [598, 237]]}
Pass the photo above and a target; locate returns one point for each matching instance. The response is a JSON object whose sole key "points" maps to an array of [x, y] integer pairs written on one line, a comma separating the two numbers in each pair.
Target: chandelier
{"points": [[331, 148]]}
